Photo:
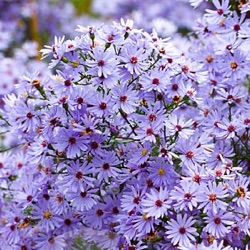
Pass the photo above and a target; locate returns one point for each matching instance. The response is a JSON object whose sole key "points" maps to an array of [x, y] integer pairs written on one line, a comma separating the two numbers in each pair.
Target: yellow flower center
{"points": [[161, 171], [241, 191], [144, 151], [47, 214]]}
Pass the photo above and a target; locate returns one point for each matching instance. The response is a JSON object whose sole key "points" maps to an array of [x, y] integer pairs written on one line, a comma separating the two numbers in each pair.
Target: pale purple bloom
{"points": [[181, 230], [156, 203], [218, 223]]}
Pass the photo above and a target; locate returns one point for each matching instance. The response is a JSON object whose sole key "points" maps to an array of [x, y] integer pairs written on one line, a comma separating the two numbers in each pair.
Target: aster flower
{"points": [[50, 242], [133, 58], [156, 203], [123, 97], [185, 196], [211, 195], [84, 199], [218, 222], [178, 125], [71, 142], [105, 165], [180, 231], [162, 174], [102, 64], [156, 80]]}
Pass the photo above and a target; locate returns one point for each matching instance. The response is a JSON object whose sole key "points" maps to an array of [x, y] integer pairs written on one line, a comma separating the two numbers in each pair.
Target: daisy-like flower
{"points": [[156, 80], [103, 63], [50, 242], [106, 165], [185, 196], [218, 222], [211, 195], [124, 98], [178, 125], [180, 231], [161, 173], [156, 203], [133, 58], [70, 142]]}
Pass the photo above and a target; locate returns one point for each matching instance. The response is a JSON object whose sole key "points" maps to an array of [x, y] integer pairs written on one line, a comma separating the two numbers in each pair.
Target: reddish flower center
{"points": [[230, 128], [94, 145], [83, 194], [12, 227], [187, 196], [133, 59], [196, 178], [152, 117], [149, 131], [136, 200], [220, 11], [217, 220], [233, 65], [101, 63], [102, 105], [29, 198], [123, 98], [190, 154], [67, 222], [80, 100], [212, 197], [175, 87], [67, 83], [99, 212], [178, 127], [29, 115], [72, 140], [158, 203], [155, 81], [236, 27], [79, 175], [105, 166], [111, 38], [115, 210], [185, 68], [218, 173], [182, 230]]}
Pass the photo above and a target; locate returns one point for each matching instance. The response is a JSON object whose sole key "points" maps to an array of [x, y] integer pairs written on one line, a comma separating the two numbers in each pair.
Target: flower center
{"points": [[155, 81], [102, 105], [241, 191], [144, 151], [158, 203], [133, 59], [47, 215], [72, 140], [105, 166], [212, 197], [182, 230], [217, 220], [123, 98], [233, 65], [190, 154], [101, 63], [79, 175], [161, 171], [99, 212]]}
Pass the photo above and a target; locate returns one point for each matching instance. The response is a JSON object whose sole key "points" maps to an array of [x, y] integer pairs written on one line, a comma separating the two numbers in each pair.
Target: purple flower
{"points": [[102, 64], [156, 203], [180, 231], [218, 222], [70, 142], [211, 197]]}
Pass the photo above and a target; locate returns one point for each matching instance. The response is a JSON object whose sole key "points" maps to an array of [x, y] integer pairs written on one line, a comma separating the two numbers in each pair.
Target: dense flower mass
{"points": [[132, 141]]}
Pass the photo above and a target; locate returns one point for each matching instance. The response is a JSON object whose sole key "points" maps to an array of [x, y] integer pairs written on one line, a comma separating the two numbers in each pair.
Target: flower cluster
{"points": [[132, 143]]}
